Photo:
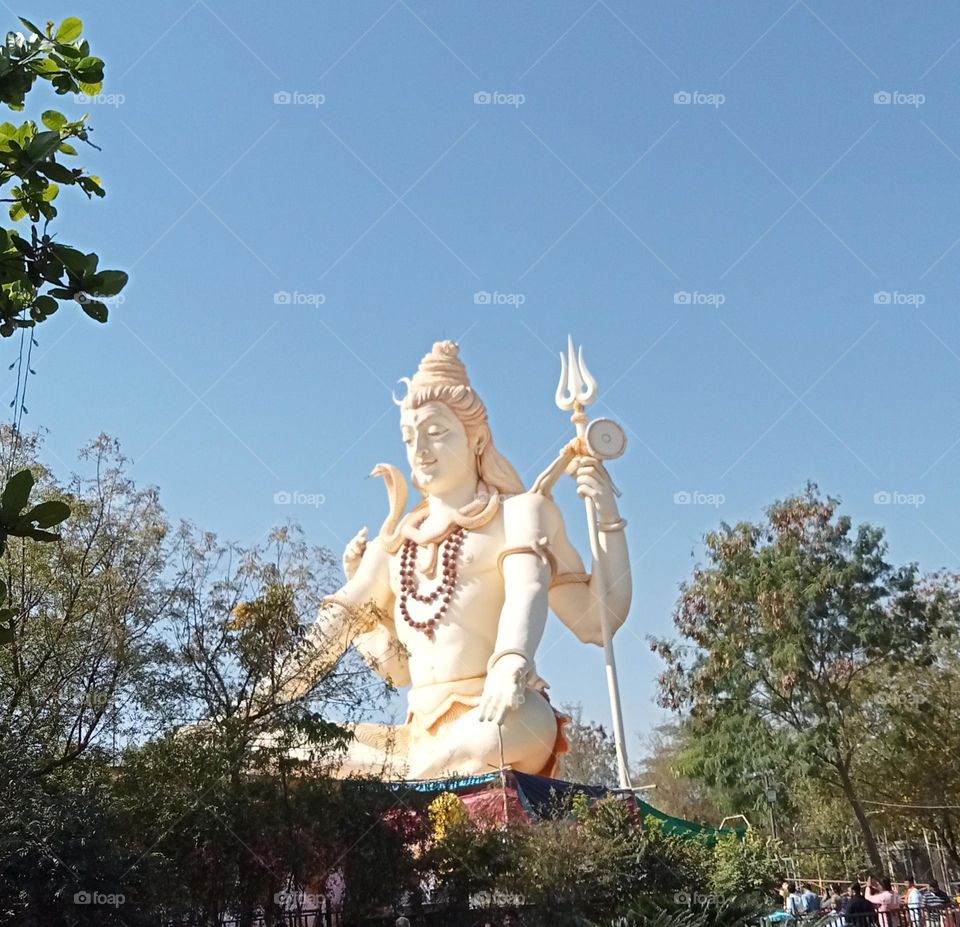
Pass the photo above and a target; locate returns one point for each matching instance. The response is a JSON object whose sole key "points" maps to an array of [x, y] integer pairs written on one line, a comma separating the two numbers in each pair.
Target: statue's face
{"points": [[438, 449]]}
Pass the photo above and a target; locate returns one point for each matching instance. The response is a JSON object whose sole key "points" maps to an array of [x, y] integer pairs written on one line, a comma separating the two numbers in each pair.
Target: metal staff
{"points": [[605, 439]]}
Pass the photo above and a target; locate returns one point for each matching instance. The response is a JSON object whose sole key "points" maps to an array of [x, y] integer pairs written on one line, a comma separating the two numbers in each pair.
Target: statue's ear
{"points": [[483, 439]]}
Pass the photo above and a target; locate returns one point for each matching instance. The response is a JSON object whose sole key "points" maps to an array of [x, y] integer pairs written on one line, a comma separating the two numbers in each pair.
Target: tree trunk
{"points": [[850, 793], [944, 830]]}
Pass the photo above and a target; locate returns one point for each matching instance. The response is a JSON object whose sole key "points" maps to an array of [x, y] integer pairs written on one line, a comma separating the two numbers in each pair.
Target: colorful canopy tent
{"points": [[529, 798]]}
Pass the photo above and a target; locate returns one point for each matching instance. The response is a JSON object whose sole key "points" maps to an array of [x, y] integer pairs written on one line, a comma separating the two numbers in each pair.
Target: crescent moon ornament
{"points": [[605, 439]]}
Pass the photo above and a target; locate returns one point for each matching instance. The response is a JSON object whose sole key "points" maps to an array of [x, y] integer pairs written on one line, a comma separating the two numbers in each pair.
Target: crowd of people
{"points": [[874, 902]]}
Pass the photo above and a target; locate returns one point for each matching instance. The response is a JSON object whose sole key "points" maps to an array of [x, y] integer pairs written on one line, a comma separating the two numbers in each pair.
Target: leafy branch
{"points": [[19, 519], [36, 272]]}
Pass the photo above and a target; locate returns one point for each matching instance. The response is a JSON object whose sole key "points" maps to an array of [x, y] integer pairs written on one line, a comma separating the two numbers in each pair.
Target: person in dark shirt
{"points": [[935, 901], [935, 897], [857, 911], [811, 900]]}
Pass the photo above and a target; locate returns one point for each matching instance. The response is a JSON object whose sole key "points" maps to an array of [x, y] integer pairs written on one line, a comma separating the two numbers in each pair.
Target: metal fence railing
{"points": [[904, 917], [313, 918]]}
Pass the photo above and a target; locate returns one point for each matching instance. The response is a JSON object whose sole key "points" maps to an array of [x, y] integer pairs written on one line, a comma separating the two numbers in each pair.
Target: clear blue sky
{"points": [[782, 191]]}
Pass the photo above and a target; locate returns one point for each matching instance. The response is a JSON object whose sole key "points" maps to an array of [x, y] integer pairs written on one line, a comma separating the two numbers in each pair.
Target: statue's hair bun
{"points": [[441, 367]]}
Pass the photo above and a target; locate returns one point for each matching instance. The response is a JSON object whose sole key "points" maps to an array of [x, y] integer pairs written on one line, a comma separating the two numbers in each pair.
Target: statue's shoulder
{"points": [[529, 513]]}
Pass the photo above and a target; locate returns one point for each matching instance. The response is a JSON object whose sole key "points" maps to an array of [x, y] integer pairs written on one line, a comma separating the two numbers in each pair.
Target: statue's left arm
{"points": [[527, 567], [577, 598]]}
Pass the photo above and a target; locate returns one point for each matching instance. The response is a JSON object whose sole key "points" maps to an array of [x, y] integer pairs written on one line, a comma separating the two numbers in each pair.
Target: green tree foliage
{"points": [[60, 836], [37, 273], [744, 865], [789, 637], [211, 841], [237, 625], [472, 859], [592, 758], [122, 630], [19, 519], [585, 863], [695, 911], [912, 773], [663, 765], [81, 608]]}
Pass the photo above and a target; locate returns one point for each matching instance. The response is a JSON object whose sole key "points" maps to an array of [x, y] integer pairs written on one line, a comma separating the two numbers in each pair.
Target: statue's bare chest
{"points": [[471, 559]]}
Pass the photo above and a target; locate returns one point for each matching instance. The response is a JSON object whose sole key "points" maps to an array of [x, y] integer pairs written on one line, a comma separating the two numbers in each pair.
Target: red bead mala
{"points": [[409, 588]]}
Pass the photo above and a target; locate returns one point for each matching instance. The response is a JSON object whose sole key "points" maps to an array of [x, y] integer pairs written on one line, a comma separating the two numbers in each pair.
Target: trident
{"points": [[604, 439]]}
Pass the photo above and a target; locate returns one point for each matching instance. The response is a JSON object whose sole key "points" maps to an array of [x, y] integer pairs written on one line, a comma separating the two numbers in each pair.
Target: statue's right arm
{"points": [[383, 652], [357, 614]]}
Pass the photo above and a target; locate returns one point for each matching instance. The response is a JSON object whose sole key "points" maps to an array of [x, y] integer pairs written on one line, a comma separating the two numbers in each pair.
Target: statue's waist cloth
{"points": [[434, 706]]}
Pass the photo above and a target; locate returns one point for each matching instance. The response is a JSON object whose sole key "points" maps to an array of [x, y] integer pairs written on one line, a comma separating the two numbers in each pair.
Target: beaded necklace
{"points": [[410, 588]]}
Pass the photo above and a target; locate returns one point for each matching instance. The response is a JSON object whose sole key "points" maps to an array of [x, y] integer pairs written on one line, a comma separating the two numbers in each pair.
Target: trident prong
{"points": [[577, 387]]}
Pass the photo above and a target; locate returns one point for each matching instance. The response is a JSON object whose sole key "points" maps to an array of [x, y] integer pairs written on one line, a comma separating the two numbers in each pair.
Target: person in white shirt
{"points": [[914, 902]]}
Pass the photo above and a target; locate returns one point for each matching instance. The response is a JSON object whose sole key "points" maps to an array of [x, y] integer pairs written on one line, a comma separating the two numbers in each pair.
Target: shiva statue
{"points": [[451, 598]]}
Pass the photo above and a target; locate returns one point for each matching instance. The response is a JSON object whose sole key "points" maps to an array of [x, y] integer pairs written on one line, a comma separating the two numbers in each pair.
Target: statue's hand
{"points": [[354, 553], [593, 482], [505, 688]]}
